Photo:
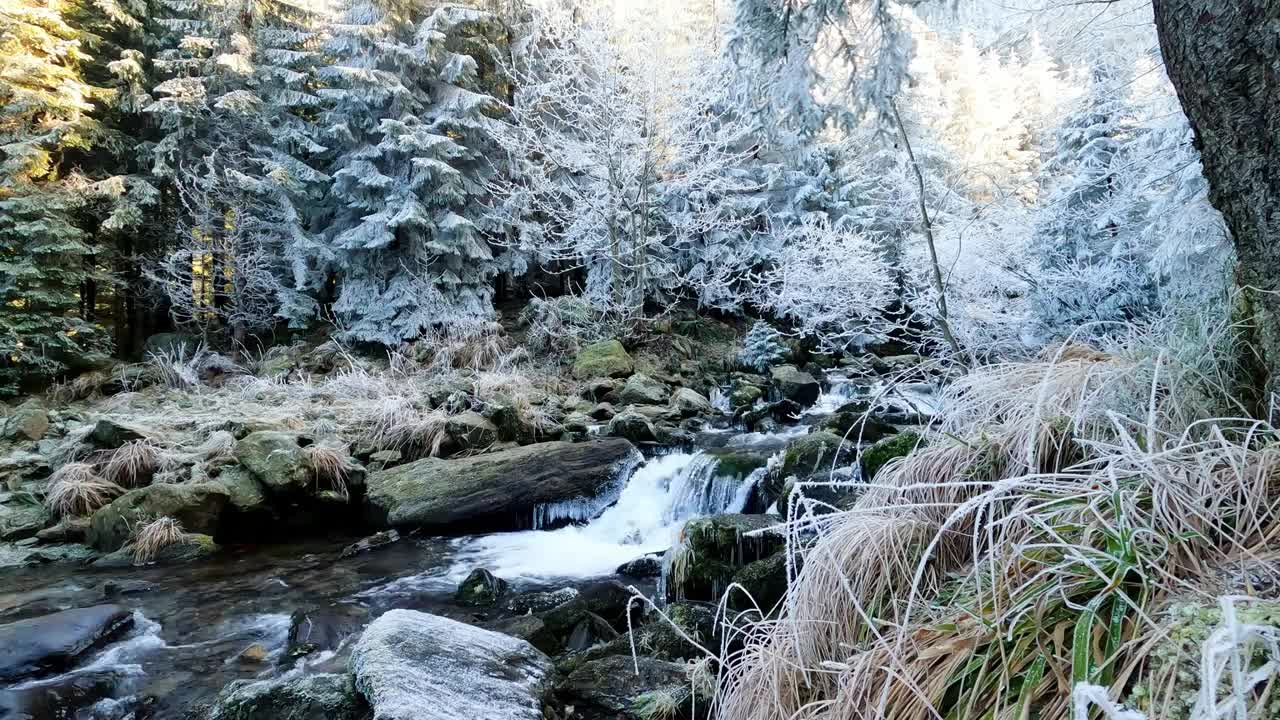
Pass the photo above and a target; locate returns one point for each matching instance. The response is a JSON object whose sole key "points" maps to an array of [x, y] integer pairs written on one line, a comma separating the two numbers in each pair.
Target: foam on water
{"points": [[650, 510]]}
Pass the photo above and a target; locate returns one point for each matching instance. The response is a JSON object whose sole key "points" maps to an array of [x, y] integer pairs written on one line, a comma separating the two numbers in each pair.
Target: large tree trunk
{"points": [[1224, 58]]}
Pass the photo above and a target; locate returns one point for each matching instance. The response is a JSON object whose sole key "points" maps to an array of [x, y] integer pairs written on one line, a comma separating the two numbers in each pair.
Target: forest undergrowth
{"points": [[1056, 544]]}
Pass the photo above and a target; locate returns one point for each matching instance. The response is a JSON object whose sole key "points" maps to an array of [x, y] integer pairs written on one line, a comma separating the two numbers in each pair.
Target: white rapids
{"points": [[660, 496]]}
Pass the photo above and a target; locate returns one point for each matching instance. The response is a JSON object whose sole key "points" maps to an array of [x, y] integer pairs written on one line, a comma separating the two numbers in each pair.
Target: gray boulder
{"points": [[644, 390], [690, 403], [29, 421], [414, 666], [52, 643], [325, 696], [497, 491], [796, 385]]}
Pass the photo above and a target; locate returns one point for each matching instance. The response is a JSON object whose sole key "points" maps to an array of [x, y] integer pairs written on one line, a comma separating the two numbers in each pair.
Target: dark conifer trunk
{"points": [[1224, 59]]}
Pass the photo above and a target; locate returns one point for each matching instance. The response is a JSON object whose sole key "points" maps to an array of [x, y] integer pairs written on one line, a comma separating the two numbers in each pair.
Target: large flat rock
{"points": [[413, 666], [52, 643], [497, 491]]}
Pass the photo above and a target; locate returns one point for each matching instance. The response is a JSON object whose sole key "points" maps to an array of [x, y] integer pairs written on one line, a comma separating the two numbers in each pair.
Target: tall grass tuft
{"points": [[75, 489], [1027, 549], [150, 539], [330, 468], [131, 465]]}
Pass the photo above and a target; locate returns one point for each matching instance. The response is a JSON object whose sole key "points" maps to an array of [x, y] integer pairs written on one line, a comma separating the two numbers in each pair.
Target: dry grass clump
{"points": [[176, 367], [76, 489], [401, 424], [330, 468], [133, 464], [154, 537], [1024, 552]]}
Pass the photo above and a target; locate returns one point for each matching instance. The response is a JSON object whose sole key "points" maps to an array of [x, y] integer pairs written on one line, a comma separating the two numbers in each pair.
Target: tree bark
{"points": [[1224, 59]]}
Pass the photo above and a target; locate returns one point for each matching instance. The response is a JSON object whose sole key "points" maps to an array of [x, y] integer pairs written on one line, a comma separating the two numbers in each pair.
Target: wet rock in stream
{"points": [[481, 588], [322, 696], [51, 643], [497, 491]]}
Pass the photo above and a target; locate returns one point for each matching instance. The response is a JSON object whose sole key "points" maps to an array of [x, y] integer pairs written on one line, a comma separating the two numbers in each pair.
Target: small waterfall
{"points": [[653, 505], [720, 400]]}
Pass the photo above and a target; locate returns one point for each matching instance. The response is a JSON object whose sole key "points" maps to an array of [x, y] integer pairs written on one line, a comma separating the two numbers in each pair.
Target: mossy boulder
{"points": [[764, 584], [737, 462], [612, 687], [690, 403], [170, 343], [319, 696], [199, 507], [480, 588], [471, 430], [633, 426], [875, 457], [193, 547], [642, 389], [712, 549], [795, 384], [108, 434], [858, 427], [22, 516], [603, 359], [494, 491], [276, 459], [745, 396], [814, 453]]}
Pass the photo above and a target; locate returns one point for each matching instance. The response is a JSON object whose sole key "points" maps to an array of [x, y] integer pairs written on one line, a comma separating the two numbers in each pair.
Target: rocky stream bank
{"points": [[487, 563]]}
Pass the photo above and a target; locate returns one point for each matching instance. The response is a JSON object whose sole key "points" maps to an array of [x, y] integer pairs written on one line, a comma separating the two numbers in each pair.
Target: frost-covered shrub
{"points": [[834, 285], [762, 347], [558, 327]]}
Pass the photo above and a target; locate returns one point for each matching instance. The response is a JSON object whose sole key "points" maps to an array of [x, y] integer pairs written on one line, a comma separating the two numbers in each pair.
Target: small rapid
{"points": [[655, 502]]}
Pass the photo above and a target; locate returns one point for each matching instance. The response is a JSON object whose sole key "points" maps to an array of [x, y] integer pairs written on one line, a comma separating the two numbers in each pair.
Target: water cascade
{"points": [[654, 504]]}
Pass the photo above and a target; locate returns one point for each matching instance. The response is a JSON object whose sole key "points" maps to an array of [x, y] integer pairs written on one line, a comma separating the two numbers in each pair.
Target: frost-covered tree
{"points": [[45, 259], [606, 177], [238, 138], [762, 347], [832, 285], [410, 121], [1091, 261]]}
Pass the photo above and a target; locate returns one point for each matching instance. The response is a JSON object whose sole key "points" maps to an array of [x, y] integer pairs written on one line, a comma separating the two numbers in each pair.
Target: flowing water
{"points": [[193, 622]]}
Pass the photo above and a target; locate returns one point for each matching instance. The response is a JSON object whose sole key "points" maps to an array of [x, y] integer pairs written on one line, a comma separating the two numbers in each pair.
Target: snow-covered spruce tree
{"points": [[715, 198], [1091, 262], [762, 347], [410, 118], [789, 47], [605, 177], [235, 112], [45, 107]]}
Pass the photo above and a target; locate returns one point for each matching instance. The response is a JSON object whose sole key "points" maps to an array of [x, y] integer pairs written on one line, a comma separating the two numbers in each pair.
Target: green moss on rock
{"points": [[603, 359], [875, 457]]}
